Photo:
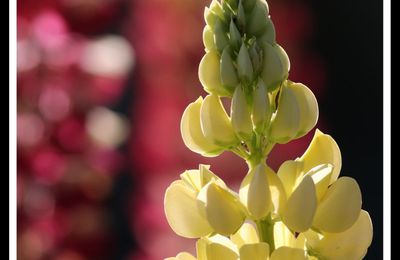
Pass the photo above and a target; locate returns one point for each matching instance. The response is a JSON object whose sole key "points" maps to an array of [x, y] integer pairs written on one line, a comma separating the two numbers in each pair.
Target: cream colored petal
{"points": [[278, 194], [300, 207], [323, 149], [255, 193], [258, 251], [286, 122], [286, 253], [321, 176], [222, 210], [191, 131], [290, 173], [209, 73], [182, 256], [351, 244], [308, 107], [240, 115], [215, 123], [247, 234], [208, 38], [340, 207], [181, 210], [197, 179], [216, 248], [284, 237]]}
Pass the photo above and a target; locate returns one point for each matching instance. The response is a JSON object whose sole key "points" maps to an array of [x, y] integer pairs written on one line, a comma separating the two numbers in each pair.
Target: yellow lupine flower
{"points": [[256, 251], [221, 208], [215, 123], [340, 207], [301, 206], [286, 253], [191, 132], [322, 149], [181, 206], [283, 237], [247, 234], [216, 247], [351, 244], [255, 193], [182, 256]]}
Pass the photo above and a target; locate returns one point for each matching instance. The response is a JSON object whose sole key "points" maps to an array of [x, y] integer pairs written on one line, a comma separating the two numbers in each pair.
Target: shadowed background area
{"points": [[102, 85]]}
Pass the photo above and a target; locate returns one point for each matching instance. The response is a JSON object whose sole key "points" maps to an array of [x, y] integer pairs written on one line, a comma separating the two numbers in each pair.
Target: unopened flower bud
{"points": [[241, 16], [208, 38], [191, 132], [268, 35], [257, 20], [261, 111], [220, 35], [274, 67], [209, 74], [256, 57], [240, 115], [235, 37], [210, 17], [229, 77], [248, 4], [245, 67]]}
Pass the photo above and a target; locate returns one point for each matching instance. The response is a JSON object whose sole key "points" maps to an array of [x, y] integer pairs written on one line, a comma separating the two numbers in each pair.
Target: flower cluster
{"points": [[304, 211]]}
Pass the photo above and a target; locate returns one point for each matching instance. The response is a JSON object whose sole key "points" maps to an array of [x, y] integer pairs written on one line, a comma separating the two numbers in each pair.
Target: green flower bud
{"points": [[220, 36], [240, 115], [257, 20], [209, 74], [268, 34], [229, 76], [235, 37], [208, 38], [241, 16], [256, 57], [233, 4], [261, 112], [274, 69], [245, 67], [249, 5]]}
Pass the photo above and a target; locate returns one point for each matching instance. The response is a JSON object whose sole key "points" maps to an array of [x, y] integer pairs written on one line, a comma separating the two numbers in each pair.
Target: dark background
{"points": [[350, 38]]}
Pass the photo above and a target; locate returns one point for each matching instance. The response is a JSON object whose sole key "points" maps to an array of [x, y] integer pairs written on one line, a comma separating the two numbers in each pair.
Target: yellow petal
{"points": [[209, 73], [208, 38], [197, 179], [191, 131], [182, 256], [261, 111], [290, 175], [340, 207], [181, 210], [300, 207], [215, 123], [351, 244], [308, 107], [286, 253], [258, 251], [216, 248], [221, 208], [321, 176], [323, 149], [255, 193], [286, 122], [278, 195], [240, 115], [284, 237], [247, 234]]}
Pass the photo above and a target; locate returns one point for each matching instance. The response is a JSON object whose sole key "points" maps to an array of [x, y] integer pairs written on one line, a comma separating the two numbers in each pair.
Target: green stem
{"points": [[266, 231]]}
